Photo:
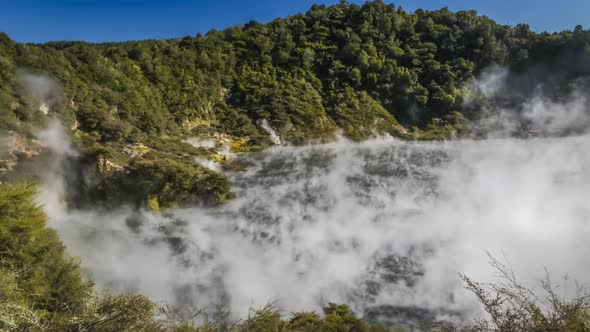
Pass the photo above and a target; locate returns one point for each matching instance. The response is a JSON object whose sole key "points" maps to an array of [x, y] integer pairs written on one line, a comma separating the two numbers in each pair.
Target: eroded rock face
{"points": [[44, 108], [135, 150], [107, 167], [13, 149]]}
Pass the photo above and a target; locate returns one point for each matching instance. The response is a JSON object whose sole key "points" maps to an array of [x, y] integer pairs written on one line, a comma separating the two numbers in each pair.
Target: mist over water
{"points": [[385, 226]]}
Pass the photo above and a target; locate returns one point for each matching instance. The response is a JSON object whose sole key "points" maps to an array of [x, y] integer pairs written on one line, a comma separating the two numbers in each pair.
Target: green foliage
{"points": [[365, 70], [174, 182], [14, 311], [112, 314], [159, 181], [305, 321], [339, 318], [452, 126], [35, 256], [42, 289], [336, 318], [293, 72], [361, 117], [512, 307], [264, 319], [290, 104]]}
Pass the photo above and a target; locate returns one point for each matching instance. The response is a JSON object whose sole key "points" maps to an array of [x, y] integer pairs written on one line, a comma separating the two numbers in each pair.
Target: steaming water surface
{"points": [[384, 226]]}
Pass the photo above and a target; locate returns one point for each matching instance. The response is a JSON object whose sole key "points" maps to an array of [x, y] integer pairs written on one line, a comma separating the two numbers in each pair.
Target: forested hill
{"points": [[363, 70]]}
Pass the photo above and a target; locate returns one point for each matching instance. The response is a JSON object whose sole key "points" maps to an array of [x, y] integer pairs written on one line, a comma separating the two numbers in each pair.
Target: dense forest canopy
{"points": [[359, 70]]}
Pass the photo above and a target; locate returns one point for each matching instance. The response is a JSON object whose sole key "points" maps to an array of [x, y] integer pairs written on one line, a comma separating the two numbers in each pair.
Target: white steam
{"points": [[556, 118], [489, 83], [314, 224], [55, 138], [42, 91], [198, 142], [542, 115], [221, 146], [274, 137], [53, 190], [379, 224]]}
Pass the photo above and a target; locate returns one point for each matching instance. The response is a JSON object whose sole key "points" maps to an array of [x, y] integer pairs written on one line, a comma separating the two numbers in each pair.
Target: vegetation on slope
{"points": [[364, 70], [130, 106]]}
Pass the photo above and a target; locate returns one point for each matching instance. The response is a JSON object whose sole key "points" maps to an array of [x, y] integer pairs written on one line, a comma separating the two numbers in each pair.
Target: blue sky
{"points": [[118, 20]]}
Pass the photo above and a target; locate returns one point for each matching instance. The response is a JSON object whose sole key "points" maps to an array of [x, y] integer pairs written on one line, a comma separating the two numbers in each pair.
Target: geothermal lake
{"points": [[385, 226]]}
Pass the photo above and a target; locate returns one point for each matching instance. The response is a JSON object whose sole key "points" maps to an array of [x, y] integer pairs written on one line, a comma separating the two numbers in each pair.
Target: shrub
{"points": [[512, 307]]}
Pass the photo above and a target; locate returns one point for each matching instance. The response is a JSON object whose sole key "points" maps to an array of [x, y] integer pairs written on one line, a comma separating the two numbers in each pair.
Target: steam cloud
{"points": [[274, 137], [380, 224], [41, 90]]}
